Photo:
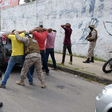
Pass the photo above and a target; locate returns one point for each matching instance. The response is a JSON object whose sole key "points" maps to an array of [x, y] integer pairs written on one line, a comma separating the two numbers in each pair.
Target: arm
{"points": [[44, 29], [54, 30], [36, 29], [24, 40], [63, 26], [92, 37], [6, 34], [31, 31], [22, 31]]}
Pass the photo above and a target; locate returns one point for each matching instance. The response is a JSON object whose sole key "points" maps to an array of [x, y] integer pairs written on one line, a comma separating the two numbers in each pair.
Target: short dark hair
{"points": [[27, 34], [41, 26], [13, 31], [67, 23]]}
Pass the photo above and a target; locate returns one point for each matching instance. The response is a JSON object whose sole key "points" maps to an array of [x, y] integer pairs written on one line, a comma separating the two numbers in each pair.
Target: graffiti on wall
{"points": [[18, 19], [100, 10], [85, 31], [83, 10], [101, 0], [108, 27], [91, 7], [67, 12]]}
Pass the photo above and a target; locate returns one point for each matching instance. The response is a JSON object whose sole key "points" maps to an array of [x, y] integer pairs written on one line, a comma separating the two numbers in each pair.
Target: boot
{"points": [[43, 84], [62, 63], [70, 63], [87, 61], [92, 59], [21, 82]]}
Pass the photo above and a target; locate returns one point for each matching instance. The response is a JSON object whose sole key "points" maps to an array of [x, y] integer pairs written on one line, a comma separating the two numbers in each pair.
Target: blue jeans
{"points": [[44, 60], [51, 52], [12, 61], [32, 69]]}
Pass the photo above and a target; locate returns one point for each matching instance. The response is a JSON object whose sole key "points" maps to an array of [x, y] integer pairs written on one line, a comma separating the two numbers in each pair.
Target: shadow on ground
{"points": [[16, 69]]}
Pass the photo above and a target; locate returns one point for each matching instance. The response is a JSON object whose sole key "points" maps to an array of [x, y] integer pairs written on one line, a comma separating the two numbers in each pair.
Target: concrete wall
{"points": [[53, 13]]}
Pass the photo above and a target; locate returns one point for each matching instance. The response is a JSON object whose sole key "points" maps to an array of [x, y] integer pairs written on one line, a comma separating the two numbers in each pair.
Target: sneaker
{"points": [[62, 63], [43, 84], [54, 69], [20, 83], [2, 86], [31, 83], [70, 63]]}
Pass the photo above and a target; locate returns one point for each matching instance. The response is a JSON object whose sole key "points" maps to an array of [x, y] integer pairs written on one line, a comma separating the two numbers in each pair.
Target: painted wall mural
{"points": [[108, 27], [85, 30], [53, 13]]}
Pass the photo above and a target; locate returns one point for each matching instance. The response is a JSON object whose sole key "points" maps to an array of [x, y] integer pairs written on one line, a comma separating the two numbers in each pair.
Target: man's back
{"points": [[50, 40], [17, 47], [40, 37], [68, 32]]}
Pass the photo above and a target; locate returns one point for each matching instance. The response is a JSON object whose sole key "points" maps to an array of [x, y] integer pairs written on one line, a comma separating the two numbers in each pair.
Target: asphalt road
{"points": [[64, 93]]}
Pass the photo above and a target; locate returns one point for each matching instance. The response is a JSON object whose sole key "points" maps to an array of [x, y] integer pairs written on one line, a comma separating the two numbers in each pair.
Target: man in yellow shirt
{"points": [[17, 56]]}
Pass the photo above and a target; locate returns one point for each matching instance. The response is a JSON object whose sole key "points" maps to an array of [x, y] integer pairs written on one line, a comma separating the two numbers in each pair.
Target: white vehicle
{"points": [[103, 101]]}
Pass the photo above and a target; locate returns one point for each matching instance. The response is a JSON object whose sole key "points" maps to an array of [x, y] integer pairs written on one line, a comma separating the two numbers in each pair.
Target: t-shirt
{"points": [[17, 47], [68, 32], [40, 37], [50, 40]]}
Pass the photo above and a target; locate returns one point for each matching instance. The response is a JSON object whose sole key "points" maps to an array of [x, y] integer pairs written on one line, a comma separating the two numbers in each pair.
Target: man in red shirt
{"points": [[67, 42], [40, 34]]}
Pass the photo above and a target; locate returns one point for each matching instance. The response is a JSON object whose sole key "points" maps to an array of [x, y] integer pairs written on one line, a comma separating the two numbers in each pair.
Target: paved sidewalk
{"points": [[87, 70]]}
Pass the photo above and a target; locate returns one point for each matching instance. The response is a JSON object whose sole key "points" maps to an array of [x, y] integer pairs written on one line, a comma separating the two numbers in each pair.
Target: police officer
{"points": [[92, 38], [32, 56]]}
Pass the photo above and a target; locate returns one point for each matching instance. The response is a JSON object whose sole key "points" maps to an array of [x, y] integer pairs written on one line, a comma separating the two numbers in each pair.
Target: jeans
{"points": [[32, 69], [51, 52], [12, 61], [44, 60], [64, 52]]}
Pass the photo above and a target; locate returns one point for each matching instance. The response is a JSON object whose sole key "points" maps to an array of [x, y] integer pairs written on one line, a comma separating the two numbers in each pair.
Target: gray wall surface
{"points": [[53, 13]]}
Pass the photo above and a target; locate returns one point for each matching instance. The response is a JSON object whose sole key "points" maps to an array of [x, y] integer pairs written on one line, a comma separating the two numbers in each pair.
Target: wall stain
{"points": [[52, 14]]}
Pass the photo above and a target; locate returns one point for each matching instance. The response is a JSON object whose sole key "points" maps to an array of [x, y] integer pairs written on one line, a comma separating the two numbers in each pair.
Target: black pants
{"points": [[44, 60], [51, 52], [64, 52]]}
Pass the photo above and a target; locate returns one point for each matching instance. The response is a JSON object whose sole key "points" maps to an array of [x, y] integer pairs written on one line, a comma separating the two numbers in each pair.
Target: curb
{"points": [[83, 74]]}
